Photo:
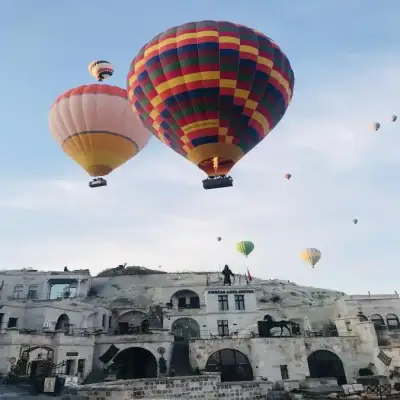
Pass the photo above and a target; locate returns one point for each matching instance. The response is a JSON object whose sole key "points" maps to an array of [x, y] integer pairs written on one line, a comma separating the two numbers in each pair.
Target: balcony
{"points": [[37, 297]]}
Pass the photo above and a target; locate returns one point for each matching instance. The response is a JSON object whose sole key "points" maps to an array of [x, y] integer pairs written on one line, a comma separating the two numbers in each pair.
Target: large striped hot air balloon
{"points": [[311, 256], [95, 126], [211, 91]]}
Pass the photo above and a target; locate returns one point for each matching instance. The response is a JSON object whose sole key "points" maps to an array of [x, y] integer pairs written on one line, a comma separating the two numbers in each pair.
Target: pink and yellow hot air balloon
{"points": [[96, 127]]}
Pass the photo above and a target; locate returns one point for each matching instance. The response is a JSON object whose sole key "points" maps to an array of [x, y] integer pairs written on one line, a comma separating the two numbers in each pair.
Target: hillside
{"points": [[141, 288]]}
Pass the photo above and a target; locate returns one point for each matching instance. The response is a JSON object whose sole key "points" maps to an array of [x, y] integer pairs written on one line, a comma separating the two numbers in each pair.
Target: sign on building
{"points": [[384, 358], [49, 384], [71, 381]]}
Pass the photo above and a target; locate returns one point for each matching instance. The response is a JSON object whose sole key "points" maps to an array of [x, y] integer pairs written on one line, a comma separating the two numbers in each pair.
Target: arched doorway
{"points": [[63, 323], [232, 364], [378, 321], [325, 364], [135, 363], [185, 328], [130, 322]]}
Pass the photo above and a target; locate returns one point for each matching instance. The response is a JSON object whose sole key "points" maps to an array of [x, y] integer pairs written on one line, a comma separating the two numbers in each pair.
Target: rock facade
{"points": [[206, 387]]}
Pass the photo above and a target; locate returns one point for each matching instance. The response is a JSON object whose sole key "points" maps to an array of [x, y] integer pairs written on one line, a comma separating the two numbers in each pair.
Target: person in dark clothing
{"points": [[227, 273]]}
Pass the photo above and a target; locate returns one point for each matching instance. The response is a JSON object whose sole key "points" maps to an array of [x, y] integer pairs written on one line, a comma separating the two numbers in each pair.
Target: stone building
{"points": [[149, 325]]}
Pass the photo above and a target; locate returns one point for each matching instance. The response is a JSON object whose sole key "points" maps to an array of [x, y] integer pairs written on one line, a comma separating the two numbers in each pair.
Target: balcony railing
{"points": [[40, 297]]}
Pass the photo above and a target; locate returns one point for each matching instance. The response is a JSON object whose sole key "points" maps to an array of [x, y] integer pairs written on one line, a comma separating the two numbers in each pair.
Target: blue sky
{"points": [[154, 211]]}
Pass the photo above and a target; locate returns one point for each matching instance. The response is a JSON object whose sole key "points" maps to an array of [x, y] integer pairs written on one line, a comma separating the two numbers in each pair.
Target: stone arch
{"points": [[326, 364], [378, 321], [135, 363], [362, 317], [63, 323], [34, 360], [392, 321], [185, 298], [232, 364], [128, 320], [185, 329]]}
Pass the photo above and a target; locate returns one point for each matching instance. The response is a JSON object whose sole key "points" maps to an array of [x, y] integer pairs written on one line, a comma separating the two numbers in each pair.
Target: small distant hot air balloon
{"points": [[219, 238], [376, 126], [95, 126], [311, 256], [355, 221], [394, 118], [211, 91], [101, 70], [288, 176], [245, 247]]}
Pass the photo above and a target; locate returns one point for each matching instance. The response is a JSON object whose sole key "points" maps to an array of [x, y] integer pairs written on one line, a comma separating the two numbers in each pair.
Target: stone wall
{"points": [[207, 386]]}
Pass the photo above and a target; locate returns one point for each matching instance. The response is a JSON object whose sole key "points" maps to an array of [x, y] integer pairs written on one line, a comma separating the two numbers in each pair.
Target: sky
{"points": [[154, 212]]}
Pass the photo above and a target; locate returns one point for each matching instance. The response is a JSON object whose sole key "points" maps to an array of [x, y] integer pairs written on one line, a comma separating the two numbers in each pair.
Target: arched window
{"points": [[361, 317], [231, 364], [62, 323], [184, 298], [392, 321], [378, 321]]}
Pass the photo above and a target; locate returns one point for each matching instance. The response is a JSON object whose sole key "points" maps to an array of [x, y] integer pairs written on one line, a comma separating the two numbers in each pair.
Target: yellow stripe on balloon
{"points": [[188, 78], [177, 39], [99, 153]]}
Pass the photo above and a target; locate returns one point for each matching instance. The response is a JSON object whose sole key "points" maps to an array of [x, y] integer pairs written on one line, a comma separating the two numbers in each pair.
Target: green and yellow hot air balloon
{"points": [[245, 247]]}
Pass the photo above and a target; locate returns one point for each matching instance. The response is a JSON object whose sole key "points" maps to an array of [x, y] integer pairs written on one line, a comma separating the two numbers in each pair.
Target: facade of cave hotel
{"points": [[213, 328]]}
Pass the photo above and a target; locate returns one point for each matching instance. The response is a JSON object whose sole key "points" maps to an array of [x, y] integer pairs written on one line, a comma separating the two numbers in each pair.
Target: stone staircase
{"points": [[180, 362]]}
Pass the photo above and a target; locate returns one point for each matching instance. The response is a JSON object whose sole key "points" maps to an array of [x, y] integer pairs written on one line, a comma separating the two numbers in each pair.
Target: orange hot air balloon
{"points": [[95, 126]]}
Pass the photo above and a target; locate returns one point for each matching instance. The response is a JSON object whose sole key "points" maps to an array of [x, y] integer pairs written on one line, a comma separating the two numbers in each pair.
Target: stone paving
{"points": [[8, 392]]}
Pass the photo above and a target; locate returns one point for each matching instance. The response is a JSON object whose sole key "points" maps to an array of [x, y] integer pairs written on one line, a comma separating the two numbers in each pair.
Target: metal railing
{"points": [[41, 297]]}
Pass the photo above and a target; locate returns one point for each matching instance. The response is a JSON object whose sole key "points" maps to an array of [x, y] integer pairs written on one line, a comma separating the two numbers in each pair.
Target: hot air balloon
{"points": [[288, 176], [376, 126], [355, 221], [95, 126], [219, 238], [245, 247], [211, 91], [311, 256], [394, 118], [101, 70]]}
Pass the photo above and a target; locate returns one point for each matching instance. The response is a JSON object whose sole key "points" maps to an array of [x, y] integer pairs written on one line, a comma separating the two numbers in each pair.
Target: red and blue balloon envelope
{"points": [[211, 91]]}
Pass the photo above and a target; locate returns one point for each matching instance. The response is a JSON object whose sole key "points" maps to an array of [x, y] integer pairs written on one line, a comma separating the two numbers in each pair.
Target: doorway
{"points": [[325, 364]]}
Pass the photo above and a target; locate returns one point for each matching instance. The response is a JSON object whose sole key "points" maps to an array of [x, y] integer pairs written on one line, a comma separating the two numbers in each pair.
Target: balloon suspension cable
{"points": [[215, 164]]}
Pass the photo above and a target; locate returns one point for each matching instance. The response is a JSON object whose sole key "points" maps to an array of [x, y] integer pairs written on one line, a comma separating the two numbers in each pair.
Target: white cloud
{"points": [[155, 211]]}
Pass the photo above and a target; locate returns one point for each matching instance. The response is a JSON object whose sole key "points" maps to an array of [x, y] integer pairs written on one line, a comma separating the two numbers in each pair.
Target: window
{"points": [[81, 366], [33, 292], [12, 322], [109, 321], [239, 302], [103, 321], [18, 291], [181, 302], [284, 372], [223, 302], [378, 322], [223, 328], [194, 302], [392, 321]]}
